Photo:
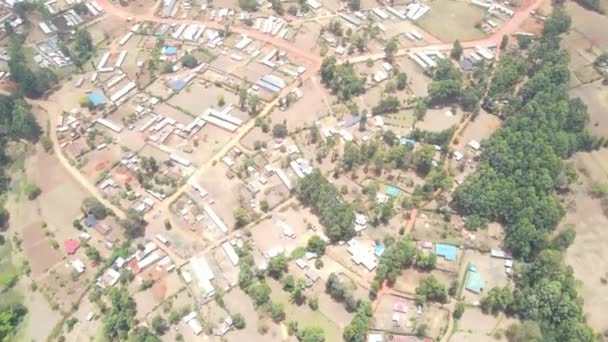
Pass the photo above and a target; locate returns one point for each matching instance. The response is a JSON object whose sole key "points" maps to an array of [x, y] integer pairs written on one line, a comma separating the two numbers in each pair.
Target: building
{"points": [[71, 246], [204, 275], [475, 282], [448, 252], [97, 99]]}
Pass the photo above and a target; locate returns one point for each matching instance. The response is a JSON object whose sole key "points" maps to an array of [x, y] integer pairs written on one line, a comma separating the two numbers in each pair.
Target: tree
{"points": [[342, 79], [253, 102], [238, 321], [279, 131], [277, 6], [459, 310], [242, 97], [498, 299], [292, 10], [391, 48], [83, 45], [240, 217], [526, 331], [423, 159], [337, 215], [32, 191], [354, 5], [430, 289], [350, 156], [260, 293], [142, 334], [11, 316], [189, 61], [248, 5], [277, 312], [133, 224], [311, 334], [297, 293], [313, 303], [92, 254], [316, 245], [120, 318], [91, 206], [456, 52], [504, 42], [277, 265], [159, 325], [401, 80]]}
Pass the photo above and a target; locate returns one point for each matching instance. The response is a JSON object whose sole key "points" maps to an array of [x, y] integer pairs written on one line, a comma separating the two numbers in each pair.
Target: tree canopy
{"points": [[341, 79], [516, 181], [337, 215]]}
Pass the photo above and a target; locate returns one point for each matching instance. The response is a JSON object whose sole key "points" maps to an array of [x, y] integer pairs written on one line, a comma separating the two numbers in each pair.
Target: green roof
{"points": [[475, 282]]}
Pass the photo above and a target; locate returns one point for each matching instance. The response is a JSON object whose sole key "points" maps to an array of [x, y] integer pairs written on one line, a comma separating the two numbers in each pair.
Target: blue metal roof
{"points": [[446, 251], [169, 50], [352, 121], [97, 99], [407, 141], [90, 221], [274, 80], [178, 85]]}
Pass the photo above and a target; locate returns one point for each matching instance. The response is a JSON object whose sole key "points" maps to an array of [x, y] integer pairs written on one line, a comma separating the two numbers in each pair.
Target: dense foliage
{"points": [[357, 329], [336, 214], [10, 316], [515, 185], [398, 256], [120, 318], [341, 79], [31, 83]]}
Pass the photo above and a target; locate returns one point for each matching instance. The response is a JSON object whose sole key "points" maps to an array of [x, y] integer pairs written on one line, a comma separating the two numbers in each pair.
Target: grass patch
{"points": [[298, 253]]}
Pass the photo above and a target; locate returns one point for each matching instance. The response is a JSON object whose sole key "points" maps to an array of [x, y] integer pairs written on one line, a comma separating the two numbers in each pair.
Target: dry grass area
{"points": [[475, 326], [587, 255], [449, 20], [595, 96]]}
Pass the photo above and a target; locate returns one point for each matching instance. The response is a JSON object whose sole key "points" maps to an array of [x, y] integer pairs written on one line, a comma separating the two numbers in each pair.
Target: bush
{"points": [[277, 312], [313, 303], [238, 321], [32, 191], [159, 325], [459, 310], [279, 131]]}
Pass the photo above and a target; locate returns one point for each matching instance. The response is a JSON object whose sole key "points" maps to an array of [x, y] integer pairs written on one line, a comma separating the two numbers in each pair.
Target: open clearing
{"points": [[449, 20]]}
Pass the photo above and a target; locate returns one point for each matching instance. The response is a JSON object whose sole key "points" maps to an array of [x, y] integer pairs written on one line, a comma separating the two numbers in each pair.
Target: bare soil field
{"points": [[475, 326], [409, 279], [310, 108], [430, 226], [439, 119], [37, 248], [587, 254], [433, 316], [303, 314], [100, 161], [595, 96], [307, 36], [238, 301], [269, 233], [590, 24], [417, 81], [449, 20], [223, 191], [480, 129]]}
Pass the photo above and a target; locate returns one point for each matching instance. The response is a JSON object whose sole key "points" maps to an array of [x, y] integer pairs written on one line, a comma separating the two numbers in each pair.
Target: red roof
{"points": [[71, 246]]}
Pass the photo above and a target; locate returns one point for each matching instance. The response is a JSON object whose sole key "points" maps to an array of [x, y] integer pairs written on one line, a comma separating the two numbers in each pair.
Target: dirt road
{"points": [[51, 107], [508, 29], [116, 11]]}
